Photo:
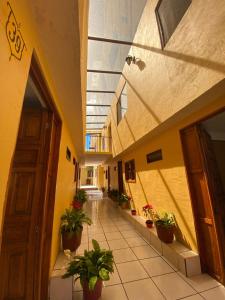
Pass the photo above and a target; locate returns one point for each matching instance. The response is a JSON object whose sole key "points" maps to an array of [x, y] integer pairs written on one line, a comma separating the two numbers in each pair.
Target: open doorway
{"points": [[204, 148], [28, 216]]}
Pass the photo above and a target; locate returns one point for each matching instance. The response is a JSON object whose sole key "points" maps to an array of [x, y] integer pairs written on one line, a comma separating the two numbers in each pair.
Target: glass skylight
{"points": [[111, 20]]}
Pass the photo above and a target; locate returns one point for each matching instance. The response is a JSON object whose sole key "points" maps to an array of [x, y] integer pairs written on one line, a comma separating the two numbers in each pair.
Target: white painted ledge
{"points": [[182, 258]]}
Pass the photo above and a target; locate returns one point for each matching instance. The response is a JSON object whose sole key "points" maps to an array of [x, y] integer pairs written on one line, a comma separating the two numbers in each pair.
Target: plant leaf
{"points": [[104, 274], [95, 245], [92, 282]]}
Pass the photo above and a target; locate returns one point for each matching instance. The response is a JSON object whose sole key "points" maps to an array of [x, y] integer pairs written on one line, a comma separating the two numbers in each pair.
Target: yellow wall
{"points": [[173, 83], [190, 64], [100, 171], [164, 183], [14, 76]]}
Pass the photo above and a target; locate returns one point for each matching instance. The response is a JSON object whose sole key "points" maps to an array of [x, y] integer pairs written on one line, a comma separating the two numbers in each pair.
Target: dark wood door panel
{"points": [[19, 253], [202, 201]]}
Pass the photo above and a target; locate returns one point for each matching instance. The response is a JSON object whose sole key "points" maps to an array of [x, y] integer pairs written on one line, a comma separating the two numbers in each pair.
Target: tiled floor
{"points": [[140, 272]]}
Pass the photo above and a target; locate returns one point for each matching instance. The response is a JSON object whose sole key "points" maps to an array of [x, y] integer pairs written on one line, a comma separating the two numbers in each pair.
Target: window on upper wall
{"points": [[122, 104], [168, 14], [130, 173]]}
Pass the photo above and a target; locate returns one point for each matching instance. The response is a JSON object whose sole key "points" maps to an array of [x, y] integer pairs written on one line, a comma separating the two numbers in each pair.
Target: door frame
{"points": [[47, 222], [190, 185], [42, 280], [120, 176]]}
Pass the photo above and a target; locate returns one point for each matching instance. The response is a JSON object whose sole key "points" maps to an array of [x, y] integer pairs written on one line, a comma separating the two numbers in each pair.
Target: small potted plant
{"points": [[71, 228], [124, 201], [92, 269], [165, 226], [79, 199], [148, 212], [133, 210]]}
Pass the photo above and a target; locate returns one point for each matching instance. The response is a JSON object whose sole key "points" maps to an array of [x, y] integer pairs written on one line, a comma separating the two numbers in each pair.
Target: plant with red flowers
{"points": [[149, 214]]}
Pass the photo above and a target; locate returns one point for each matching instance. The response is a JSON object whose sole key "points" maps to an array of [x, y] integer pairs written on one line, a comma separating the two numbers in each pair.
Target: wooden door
{"points": [[120, 177], [202, 203], [19, 258]]}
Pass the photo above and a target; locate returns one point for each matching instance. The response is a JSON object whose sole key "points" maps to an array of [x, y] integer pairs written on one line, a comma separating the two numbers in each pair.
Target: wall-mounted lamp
{"points": [[130, 59]]}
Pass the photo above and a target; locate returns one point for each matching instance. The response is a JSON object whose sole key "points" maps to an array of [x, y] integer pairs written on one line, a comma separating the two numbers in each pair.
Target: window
{"points": [[130, 173], [168, 14], [122, 104]]}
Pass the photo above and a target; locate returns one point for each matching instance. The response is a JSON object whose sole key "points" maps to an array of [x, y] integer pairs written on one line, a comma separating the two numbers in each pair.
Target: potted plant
{"points": [[124, 201], [148, 212], [79, 199], [113, 194], [133, 210], [92, 268], [71, 228], [165, 226]]}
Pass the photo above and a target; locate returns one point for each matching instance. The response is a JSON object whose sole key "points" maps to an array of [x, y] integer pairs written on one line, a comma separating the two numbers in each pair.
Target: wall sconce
{"points": [[130, 59]]}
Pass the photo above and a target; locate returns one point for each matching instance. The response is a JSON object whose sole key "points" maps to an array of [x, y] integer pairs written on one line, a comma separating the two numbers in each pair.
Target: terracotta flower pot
{"points": [[76, 204], [92, 295], [125, 205], [149, 223], [133, 212], [71, 242], [165, 233]]}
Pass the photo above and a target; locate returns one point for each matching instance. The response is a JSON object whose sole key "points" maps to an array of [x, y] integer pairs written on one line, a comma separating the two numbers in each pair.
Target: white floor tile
{"points": [[113, 235], [118, 244], [194, 297], [142, 290], [217, 293], [135, 241], [129, 233], [114, 292], [201, 282], [131, 271], [98, 237], [144, 252], [156, 266], [173, 286], [123, 255]]}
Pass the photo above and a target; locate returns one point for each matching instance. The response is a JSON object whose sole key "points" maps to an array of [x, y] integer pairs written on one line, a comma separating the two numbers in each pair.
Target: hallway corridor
{"points": [[140, 272]]}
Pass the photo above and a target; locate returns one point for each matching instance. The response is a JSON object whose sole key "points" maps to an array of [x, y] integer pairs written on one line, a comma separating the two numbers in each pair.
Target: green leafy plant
{"points": [[92, 266], [123, 199], [164, 219], [72, 220], [81, 196]]}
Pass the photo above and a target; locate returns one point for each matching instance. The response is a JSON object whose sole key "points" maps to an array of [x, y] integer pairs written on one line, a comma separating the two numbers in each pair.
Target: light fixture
{"points": [[130, 59]]}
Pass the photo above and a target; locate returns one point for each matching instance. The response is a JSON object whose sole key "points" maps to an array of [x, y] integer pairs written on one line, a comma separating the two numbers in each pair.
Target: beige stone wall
{"points": [[190, 64]]}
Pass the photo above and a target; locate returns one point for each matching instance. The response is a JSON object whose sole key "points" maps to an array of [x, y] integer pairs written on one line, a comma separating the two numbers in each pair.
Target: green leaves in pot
{"points": [[94, 265], [73, 220]]}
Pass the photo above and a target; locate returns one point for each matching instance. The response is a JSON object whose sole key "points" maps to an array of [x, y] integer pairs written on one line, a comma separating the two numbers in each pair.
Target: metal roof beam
{"points": [[98, 39]]}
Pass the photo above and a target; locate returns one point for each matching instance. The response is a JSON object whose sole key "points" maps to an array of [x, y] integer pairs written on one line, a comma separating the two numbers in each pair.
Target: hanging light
{"points": [[130, 59]]}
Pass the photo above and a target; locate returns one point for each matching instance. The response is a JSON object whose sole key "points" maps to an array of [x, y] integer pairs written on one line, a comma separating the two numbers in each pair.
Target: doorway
{"points": [[120, 176], [204, 147], [28, 216]]}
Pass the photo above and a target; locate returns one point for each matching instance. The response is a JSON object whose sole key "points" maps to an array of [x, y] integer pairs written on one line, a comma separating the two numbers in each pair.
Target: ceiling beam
{"points": [[104, 92], [96, 115], [98, 39], [104, 72], [95, 122], [99, 105], [94, 129]]}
